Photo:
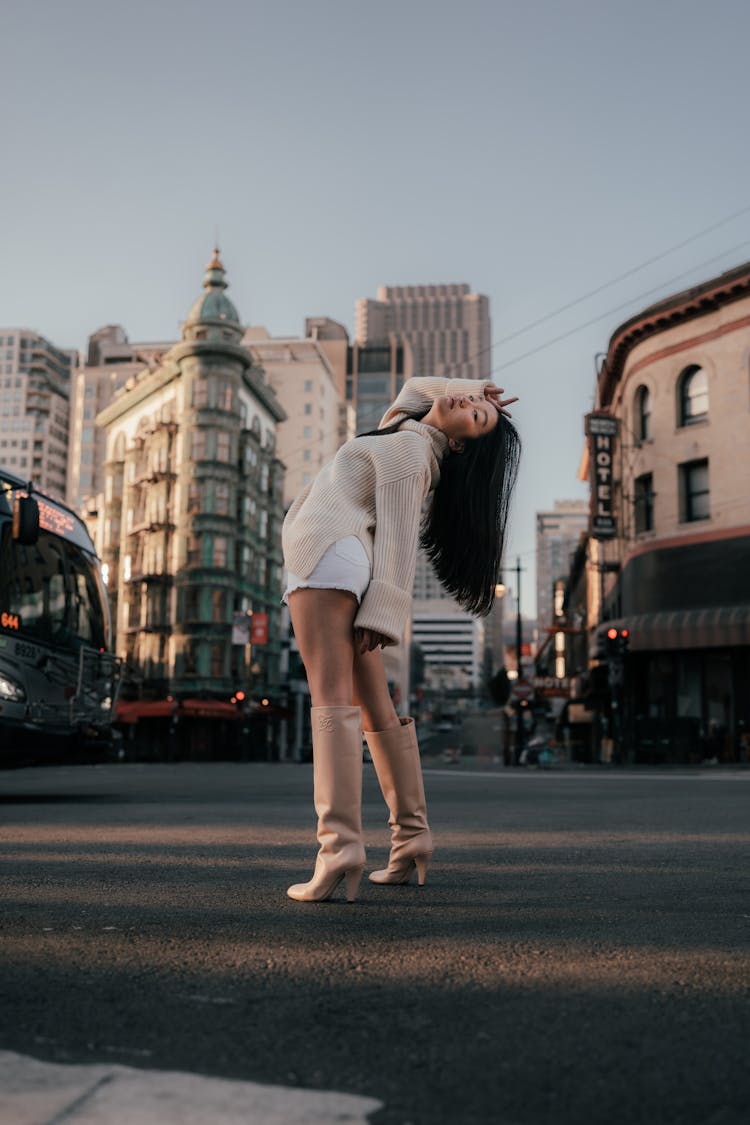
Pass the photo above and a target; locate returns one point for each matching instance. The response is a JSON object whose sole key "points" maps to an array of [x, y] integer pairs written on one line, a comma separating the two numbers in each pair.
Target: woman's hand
{"points": [[494, 395], [367, 640]]}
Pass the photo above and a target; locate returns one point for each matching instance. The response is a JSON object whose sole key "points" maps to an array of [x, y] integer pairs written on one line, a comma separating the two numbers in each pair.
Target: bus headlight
{"points": [[11, 690]]}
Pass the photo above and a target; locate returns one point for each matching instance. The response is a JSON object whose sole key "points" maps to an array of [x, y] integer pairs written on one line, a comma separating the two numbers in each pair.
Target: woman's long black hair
{"points": [[463, 530]]}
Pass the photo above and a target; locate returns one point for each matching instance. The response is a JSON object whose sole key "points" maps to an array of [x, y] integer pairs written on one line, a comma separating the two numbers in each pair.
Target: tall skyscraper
{"points": [[35, 381], [444, 330], [447, 326], [557, 535]]}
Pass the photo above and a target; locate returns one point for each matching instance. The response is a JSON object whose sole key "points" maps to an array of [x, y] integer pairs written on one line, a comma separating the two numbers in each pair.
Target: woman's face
{"points": [[466, 416]]}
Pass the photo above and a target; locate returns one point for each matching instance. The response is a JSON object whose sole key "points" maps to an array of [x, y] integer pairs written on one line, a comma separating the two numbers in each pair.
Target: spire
{"points": [[213, 307], [214, 277]]}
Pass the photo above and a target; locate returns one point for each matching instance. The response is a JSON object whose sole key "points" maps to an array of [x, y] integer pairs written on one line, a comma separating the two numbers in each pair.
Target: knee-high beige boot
{"points": [[337, 773], [395, 755]]}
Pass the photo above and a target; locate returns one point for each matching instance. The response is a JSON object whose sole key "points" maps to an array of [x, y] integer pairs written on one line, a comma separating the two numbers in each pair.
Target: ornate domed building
{"points": [[193, 512]]}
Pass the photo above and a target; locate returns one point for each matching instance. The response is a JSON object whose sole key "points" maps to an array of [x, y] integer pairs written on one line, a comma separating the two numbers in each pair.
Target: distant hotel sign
{"points": [[601, 430]]}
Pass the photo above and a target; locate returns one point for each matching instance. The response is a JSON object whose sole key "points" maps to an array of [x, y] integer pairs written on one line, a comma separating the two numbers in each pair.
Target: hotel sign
{"points": [[601, 430]]}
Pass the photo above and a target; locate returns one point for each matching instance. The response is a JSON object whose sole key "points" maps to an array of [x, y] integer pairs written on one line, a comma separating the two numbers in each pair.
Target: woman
{"points": [[350, 546]]}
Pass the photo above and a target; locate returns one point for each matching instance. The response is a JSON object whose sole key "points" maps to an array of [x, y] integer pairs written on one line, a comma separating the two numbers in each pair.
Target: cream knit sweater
{"points": [[374, 488]]}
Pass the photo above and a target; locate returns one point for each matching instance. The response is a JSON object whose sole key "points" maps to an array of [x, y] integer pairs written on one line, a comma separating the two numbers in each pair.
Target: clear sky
{"points": [[535, 149]]}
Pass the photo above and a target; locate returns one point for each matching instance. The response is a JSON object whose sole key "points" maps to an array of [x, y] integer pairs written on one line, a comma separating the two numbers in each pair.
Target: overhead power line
{"points": [[614, 281], [617, 308]]}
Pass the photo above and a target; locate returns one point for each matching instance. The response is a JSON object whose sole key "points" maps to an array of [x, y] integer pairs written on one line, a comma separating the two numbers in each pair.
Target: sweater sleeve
{"points": [[386, 603], [417, 395]]}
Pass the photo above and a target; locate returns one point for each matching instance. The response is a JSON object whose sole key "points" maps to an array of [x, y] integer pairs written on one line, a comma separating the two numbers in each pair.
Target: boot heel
{"points": [[353, 879], [421, 862]]}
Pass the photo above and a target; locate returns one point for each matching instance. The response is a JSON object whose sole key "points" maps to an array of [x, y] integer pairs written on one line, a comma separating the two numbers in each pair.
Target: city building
{"points": [[333, 338], [451, 643], [192, 513], [110, 361], [318, 419], [442, 330], [666, 558], [557, 535], [447, 326], [376, 372], [35, 378]]}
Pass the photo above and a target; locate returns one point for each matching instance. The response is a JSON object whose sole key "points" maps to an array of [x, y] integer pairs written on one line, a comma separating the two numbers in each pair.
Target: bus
{"points": [[58, 678]]}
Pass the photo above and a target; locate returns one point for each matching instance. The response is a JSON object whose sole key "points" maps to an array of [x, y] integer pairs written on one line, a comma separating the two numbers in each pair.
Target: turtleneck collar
{"points": [[437, 440]]}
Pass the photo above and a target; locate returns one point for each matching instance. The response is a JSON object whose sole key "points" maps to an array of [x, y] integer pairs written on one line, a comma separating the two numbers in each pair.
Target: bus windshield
{"points": [[53, 589]]}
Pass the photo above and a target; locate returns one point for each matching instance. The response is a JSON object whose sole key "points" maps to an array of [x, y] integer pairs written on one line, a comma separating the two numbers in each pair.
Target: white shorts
{"points": [[344, 566]]}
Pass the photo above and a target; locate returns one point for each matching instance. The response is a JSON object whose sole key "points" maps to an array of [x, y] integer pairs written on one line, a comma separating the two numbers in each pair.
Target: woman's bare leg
{"points": [[323, 623], [371, 692]]}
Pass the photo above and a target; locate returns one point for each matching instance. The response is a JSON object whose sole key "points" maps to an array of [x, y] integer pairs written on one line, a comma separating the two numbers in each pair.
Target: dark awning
{"points": [[725, 626], [209, 709], [131, 710]]}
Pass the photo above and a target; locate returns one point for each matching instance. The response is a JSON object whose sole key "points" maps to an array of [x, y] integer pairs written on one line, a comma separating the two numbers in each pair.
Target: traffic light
{"points": [[612, 643], [617, 643]]}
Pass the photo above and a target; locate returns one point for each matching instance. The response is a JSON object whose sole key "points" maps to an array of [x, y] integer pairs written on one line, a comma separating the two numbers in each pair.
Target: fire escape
{"points": [[150, 538]]}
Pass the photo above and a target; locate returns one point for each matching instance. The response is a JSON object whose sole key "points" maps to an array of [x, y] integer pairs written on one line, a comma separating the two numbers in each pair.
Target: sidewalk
{"points": [[39, 1093]]}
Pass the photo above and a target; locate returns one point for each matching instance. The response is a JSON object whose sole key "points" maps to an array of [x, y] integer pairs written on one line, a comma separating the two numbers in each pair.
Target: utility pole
{"points": [[500, 589], [519, 665]]}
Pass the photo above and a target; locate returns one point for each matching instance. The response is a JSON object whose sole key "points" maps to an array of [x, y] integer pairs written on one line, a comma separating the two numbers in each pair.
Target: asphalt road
{"points": [[580, 952]]}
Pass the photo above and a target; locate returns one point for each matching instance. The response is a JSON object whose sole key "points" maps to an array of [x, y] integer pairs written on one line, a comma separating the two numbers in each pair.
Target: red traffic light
{"points": [[239, 696]]}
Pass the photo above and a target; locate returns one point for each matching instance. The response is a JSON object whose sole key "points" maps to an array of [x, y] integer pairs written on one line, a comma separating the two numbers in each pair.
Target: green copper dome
{"points": [[213, 305]]}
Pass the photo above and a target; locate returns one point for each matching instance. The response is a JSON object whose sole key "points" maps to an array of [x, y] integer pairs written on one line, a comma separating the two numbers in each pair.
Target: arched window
{"points": [[692, 390], [642, 414]]}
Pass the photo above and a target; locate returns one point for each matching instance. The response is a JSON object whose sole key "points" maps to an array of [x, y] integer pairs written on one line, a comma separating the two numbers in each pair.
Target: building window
{"points": [[220, 551], [217, 660], [693, 396], [226, 397], [194, 496], [644, 503], [198, 445], [191, 597], [223, 447], [218, 607], [643, 414], [694, 491], [222, 499], [190, 658]]}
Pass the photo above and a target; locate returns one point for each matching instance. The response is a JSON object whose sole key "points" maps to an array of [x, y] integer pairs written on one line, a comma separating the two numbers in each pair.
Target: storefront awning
{"points": [[725, 626], [209, 709], [131, 710]]}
